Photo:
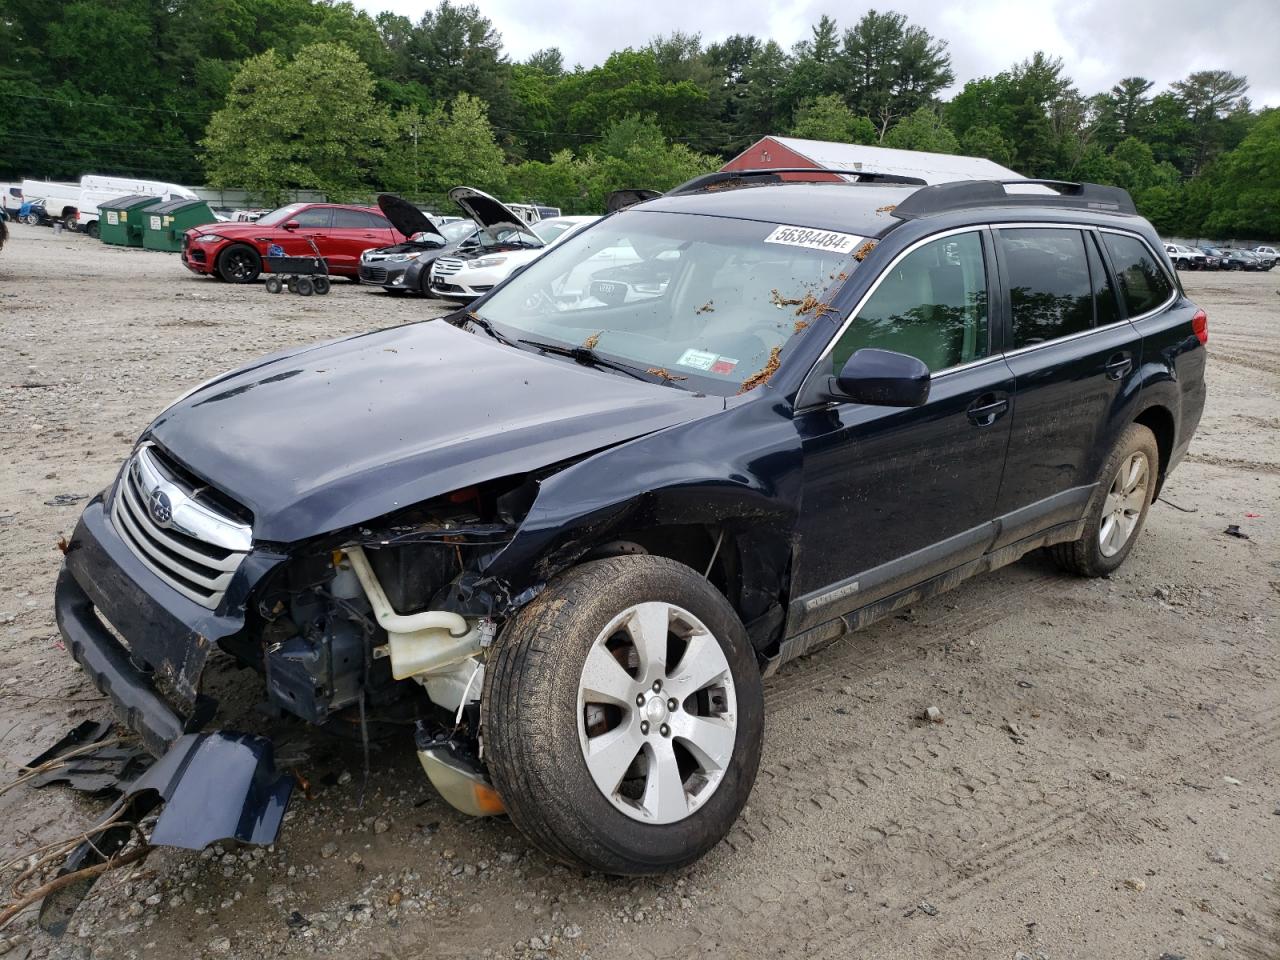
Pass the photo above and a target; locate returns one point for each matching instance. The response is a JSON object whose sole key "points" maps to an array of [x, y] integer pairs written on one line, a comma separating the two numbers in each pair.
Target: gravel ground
{"points": [[1105, 781]]}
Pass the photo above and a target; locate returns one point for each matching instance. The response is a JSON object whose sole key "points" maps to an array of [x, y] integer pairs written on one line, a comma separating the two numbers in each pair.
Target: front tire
{"points": [[239, 263], [623, 716], [1118, 509]]}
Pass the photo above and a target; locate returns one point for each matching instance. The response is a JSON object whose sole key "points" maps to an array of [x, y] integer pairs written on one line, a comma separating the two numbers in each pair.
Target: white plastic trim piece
{"points": [[386, 615]]}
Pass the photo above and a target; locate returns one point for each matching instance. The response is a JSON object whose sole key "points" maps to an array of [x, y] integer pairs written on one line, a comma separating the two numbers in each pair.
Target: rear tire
{"points": [[680, 774], [1118, 509], [239, 263], [304, 287], [92, 229], [321, 285]]}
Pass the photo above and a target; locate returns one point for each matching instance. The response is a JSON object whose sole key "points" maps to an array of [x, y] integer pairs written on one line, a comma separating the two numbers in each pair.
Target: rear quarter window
{"points": [[1143, 283], [1050, 289]]}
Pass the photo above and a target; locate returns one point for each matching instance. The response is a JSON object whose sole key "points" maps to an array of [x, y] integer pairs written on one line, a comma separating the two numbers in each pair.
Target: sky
{"points": [[1099, 41]]}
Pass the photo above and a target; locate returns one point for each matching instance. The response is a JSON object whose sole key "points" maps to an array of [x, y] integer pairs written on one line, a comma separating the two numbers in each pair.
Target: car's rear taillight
{"points": [[1200, 326]]}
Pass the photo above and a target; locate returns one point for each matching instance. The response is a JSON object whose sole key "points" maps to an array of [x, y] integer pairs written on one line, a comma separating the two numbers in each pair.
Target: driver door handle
{"points": [[987, 409], [1118, 366]]}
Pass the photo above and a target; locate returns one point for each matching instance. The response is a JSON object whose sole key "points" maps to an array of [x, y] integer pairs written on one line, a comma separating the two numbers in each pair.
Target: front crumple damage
{"points": [[694, 474]]}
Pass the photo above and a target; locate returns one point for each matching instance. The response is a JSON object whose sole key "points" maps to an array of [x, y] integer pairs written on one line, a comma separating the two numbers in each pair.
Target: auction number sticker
{"points": [[814, 239]]}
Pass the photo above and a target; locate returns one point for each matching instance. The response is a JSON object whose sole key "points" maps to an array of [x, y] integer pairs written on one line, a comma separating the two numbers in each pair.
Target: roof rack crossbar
{"points": [[966, 194], [709, 181]]}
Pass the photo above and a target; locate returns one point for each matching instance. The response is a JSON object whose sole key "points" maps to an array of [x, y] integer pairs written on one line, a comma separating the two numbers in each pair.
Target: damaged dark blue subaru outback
{"points": [[569, 531]]}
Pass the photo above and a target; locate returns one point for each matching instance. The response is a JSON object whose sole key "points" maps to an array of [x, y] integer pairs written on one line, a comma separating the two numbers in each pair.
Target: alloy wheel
{"points": [[239, 265], [657, 713], [1124, 504]]}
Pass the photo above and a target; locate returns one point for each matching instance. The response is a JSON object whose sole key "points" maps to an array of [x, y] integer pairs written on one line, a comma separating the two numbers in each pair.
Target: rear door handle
{"points": [[1118, 366], [987, 409]]}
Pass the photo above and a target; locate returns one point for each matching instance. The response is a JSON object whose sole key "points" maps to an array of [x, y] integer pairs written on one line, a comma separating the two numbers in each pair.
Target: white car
{"points": [[506, 243], [1267, 252]]}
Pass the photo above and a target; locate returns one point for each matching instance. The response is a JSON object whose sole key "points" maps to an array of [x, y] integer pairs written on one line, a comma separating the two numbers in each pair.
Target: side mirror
{"points": [[883, 378], [292, 225]]}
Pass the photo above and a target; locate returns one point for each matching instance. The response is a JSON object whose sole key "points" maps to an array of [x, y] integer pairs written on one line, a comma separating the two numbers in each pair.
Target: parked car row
{"points": [[1220, 258], [395, 246]]}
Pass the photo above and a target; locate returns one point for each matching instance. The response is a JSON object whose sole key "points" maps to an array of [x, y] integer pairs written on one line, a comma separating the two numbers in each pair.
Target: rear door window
{"points": [[931, 305], [354, 220], [1050, 290], [1143, 283]]}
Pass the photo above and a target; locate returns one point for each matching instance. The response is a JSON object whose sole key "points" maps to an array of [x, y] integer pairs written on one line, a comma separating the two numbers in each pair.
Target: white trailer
{"points": [[96, 189]]}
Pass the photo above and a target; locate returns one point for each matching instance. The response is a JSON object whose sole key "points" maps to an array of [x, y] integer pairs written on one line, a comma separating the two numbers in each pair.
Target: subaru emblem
{"points": [[159, 506]]}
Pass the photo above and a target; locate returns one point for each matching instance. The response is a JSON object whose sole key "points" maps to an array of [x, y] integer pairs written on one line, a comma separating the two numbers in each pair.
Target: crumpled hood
{"points": [[341, 433]]}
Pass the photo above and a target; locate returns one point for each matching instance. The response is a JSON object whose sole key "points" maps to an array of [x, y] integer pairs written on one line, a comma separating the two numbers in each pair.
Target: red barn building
{"points": [[771, 152]]}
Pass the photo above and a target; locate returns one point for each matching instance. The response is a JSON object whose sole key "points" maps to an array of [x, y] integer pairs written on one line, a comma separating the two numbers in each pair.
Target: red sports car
{"points": [[234, 251]]}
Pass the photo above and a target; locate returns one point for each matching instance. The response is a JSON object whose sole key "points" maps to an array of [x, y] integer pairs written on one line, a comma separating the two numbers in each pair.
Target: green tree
{"points": [[309, 123], [984, 140], [889, 68], [628, 82], [923, 130], [435, 152], [1245, 184], [1129, 97], [1209, 96], [829, 118]]}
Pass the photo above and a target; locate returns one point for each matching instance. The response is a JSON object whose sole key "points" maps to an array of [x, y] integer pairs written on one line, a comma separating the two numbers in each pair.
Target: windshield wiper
{"points": [[588, 358], [487, 327]]}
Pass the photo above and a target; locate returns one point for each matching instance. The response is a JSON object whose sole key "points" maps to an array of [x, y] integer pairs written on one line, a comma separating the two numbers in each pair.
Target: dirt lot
{"points": [[1133, 812]]}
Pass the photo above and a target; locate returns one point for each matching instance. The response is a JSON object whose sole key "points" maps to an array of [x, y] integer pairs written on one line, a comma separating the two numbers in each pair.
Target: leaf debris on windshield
{"points": [[591, 341], [664, 374], [779, 301], [763, 375], [707, 307], [861, 253]]}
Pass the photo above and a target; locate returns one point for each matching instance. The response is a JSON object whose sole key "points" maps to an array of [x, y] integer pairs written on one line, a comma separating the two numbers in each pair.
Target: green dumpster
{"points": [[120, 219], [164, 225]]}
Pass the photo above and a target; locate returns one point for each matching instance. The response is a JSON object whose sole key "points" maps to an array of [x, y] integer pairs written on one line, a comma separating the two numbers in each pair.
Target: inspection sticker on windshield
{"points": [[814, 239], [697, 359]]}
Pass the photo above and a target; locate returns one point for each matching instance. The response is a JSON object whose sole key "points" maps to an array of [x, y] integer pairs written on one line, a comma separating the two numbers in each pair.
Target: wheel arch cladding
{"points": [[1159, 420], [695, 475]]}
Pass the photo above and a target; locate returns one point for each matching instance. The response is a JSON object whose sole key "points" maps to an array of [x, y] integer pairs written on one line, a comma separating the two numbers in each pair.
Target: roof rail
{"points": [[728, 179], [966, 194]]}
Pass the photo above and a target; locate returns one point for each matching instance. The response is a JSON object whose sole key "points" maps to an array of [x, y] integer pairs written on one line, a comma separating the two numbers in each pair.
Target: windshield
{"points": [[707, 302], [549, 230], [507, 235], [280, 215], [456, 229]]}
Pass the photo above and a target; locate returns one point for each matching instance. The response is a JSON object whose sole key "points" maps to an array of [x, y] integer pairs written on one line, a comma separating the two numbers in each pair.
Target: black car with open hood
{"points": [[405, 267], [560, 538]]}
